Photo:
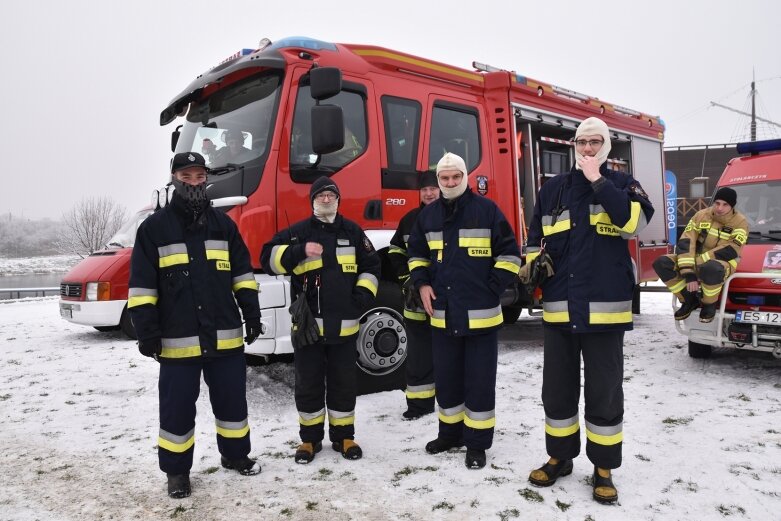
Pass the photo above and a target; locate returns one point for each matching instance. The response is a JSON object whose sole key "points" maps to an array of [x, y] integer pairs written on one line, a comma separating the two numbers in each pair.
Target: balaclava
{"points": [[593, 127], [451, 161]]}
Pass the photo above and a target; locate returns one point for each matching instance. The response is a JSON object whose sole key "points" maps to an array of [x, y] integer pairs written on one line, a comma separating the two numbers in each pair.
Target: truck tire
{"points": [[510, 314], [382, 343], [697, 350], [126, 325]]}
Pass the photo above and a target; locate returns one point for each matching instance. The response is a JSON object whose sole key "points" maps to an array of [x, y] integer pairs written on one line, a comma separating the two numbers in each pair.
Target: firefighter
{"points": [[582, 220], [420, 365], [188, 269], [334, 265], [462, 255], [706, 254]]}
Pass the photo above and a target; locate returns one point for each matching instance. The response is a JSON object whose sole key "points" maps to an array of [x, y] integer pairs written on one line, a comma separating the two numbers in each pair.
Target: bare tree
{"points": [[90, 224]]}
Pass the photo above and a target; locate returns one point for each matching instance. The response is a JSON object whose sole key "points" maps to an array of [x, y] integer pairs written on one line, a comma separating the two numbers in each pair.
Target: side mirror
{"points": [[327, 129], [175, 138], [325, 82]]}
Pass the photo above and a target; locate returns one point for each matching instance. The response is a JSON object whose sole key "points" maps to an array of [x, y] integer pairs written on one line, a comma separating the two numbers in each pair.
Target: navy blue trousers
{"points": [[419, 367]]}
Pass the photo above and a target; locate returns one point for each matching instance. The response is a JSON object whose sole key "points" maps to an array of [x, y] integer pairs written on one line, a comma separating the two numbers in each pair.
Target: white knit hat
{"points": [[450, 161]]}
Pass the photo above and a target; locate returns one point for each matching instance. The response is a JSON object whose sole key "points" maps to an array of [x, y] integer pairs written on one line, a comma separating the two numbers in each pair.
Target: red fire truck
{"points": [[749, 314], [273, 119]]}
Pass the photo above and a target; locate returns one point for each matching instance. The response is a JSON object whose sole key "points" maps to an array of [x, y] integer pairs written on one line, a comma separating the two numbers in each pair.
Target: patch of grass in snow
{"points": [[286, 512], [178, 510], [275, 455], [642, 458], [563, 506], [323, 474], [678, 482], [407, 471], [311, 505], [497, 467], [531, 496], [425, 489], [443, 505], [741, 397], [496, 480], [211, 470], [686, 420], [504, 515], [14, 362], [4, 397], [732, 509], [769, 431], [474, 503]]}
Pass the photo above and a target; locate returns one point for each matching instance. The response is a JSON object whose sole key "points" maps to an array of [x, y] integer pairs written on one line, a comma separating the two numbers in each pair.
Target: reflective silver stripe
{"points": [[172, 249], [340, 414], [405, 238], [509, 258], [234, 426], [275, 259], [474, 232], [482, 313], [418, 388], [345, 250], [319, 322], [532, 249], [609, 307], [174, 343], [547, 220], [642, 222], [555, 306], [560, 424], [141, 292], [311, 415], [173, 438], [368, 281], [227, 334], [605, 431], [216, 245], [452, 411], [434, 236], [479, 416], [242, 278], [349, 327], [439, 313], [594, 209]]}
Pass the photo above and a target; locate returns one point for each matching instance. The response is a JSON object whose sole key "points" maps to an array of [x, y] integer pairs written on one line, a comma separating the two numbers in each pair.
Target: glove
{"points": [[535, 273], [306, 332], [690, 276], [254, 328], [411, 296], [151, 347]]}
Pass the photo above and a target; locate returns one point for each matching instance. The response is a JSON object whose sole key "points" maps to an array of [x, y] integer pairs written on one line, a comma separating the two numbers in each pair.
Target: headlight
{"points": [[98, 291]]}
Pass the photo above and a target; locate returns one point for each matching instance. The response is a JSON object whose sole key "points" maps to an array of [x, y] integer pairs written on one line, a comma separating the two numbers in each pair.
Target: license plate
{"points": [[66, 312], [758, 317]]}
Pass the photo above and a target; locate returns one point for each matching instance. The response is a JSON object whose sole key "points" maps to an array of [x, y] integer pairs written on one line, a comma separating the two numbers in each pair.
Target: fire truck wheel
{"points": [[126, 325], [381, 343], [510, 314], [699, 350]]}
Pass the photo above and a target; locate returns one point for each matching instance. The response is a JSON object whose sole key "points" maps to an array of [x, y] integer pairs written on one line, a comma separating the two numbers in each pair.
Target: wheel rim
{"points": [[382, 341]]}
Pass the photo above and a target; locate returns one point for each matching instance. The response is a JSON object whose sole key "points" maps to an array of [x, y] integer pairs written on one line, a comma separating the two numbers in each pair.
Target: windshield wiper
{"points": [[230, 167], [776, 234], [116, 244]]}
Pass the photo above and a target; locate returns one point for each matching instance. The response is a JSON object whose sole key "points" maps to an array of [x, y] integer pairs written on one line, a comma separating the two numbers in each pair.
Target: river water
{"points": [[32, 280]]}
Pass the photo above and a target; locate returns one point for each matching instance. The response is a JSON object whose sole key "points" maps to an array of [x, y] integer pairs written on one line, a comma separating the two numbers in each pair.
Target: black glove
{"points": [[305, 329], [535, 273], [411, 296], [690, 276], [151, 347], [254, 328]]}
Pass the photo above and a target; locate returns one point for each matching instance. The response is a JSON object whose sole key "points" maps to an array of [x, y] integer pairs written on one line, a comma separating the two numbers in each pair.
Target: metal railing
{"points": [[8, 293]]}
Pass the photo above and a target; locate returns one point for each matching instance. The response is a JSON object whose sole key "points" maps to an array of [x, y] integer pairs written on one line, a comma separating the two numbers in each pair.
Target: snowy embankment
{"points": [[79, 409], [37, 265]]}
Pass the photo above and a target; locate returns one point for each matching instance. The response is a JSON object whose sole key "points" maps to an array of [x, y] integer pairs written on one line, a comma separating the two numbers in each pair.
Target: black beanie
{"points": [[727, 195], [427, 179], [322, 184]]}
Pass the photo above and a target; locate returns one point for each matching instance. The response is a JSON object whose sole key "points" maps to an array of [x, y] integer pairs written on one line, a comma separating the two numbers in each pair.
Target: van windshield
{"points": [[761, 204], [126, 235]]}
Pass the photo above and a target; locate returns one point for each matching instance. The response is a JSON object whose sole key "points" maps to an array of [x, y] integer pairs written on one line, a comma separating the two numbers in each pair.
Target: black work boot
{"points": [[414, 414], [690, 303], [547, 475], [178, 485], [475, 458], [442, 444], [707, 312], [244, 466], [305, 452], [604, 489]]}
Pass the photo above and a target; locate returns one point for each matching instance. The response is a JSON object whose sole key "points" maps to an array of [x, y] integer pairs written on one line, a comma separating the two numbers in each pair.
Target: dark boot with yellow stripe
{"points": [[244, 466], [547, 475], [305, 452], [690, 303], [604, 489], [348, 448]]}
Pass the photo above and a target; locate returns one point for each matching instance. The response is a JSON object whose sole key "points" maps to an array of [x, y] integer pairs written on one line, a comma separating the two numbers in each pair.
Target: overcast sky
{"points": [[84, 81]]}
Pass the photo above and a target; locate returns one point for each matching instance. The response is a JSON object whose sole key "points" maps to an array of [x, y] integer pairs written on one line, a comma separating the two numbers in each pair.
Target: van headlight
{"points": [[98, 291]]}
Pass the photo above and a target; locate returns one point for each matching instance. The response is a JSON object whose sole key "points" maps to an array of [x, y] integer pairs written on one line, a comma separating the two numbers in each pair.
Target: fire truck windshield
{"points": [[761, 204], [233, 127]]}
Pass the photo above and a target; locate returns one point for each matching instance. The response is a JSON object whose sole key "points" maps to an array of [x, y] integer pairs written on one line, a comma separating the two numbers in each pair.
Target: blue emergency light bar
{"points": [[304, 43], [757, 147]]}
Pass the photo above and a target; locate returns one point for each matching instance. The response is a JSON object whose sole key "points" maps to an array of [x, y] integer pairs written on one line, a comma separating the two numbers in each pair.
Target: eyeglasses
{"points": [[593, 143], [322, 196]]}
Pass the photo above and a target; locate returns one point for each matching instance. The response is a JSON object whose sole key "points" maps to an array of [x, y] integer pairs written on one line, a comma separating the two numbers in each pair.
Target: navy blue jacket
{"points": [[185, 279], [466, 251], [584, 228]]}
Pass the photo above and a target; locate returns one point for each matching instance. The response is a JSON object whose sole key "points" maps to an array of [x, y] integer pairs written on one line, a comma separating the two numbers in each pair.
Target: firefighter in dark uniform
{"points": [[189, 268], [420, 364], [332, 262], [581, 223], [462, 255]]}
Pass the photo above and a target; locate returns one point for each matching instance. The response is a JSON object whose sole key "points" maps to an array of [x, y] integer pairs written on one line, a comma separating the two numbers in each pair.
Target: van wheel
{"points": [[106, 329], [126, 325], [382, 343], [699, 350]]}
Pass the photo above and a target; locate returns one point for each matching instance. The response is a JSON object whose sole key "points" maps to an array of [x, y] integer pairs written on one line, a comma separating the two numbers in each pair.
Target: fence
{"points": [[8, 293], [688, 206]]}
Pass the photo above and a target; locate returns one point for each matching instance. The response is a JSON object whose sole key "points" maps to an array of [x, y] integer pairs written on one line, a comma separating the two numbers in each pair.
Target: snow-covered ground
{"points": [[79, 427], [30, 265]]}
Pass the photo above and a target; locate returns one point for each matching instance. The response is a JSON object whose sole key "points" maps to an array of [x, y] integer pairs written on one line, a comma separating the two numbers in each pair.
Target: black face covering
{"points": [[194, 196]]}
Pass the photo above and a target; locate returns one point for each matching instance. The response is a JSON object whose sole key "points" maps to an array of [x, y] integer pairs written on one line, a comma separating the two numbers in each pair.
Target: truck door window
{"points": [[454, 129], [355, 135], [402, 128]]}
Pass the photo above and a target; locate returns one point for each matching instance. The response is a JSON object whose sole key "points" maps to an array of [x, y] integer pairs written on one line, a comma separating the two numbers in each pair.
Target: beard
{"points": [[326, 212]]}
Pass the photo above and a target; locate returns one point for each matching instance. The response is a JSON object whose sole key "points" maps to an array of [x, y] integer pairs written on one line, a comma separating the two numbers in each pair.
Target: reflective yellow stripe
{"points": [[171, 260], [233, 433], [414, 315], [634, 218], [705, 257], [217, 255], [711, 292], [560, 226], [509, 266], [175, 447], [368, 284], [561, 432], [476, 323], [438, 322], [476, 242], [685, 261], [418, 395], [455, 418], [555, 316], [346, 258], [677, 288], [436, 245], [479, 424], [245, 284], [531, 256], [140, 301], [733, 263], [180, 352], [230, 343], [600, 439], [349, 330], [276, 261], [610, 318], [418, 264], [308, 266], [338, 422], [313, 421]]}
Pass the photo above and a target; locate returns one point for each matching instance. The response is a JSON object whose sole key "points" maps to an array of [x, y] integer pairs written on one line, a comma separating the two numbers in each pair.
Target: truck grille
{"points": [[70, 290], [771, 299]]}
